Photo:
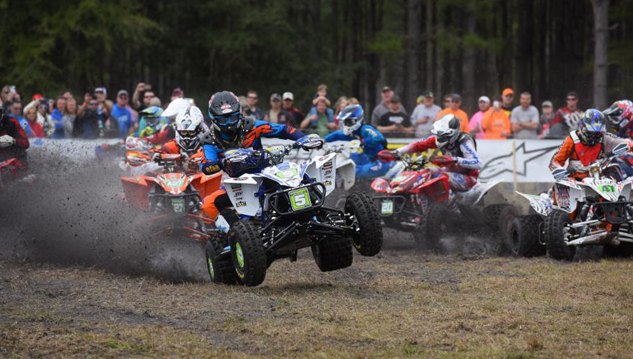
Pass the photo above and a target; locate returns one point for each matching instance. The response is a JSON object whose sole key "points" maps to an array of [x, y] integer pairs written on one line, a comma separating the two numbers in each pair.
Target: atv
{"points": [[594, 211], [418, 200], [282, 206]]}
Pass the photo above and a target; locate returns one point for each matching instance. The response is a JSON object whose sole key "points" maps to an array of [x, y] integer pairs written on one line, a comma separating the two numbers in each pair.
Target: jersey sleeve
{"points": [[471, 158], [562, 154], [373, 141], [337, 136], [419, 146], [275, 130]]}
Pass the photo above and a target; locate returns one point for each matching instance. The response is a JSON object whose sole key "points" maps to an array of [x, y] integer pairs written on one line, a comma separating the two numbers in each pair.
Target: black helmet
{"points": [[592, 127], [226, 118]]}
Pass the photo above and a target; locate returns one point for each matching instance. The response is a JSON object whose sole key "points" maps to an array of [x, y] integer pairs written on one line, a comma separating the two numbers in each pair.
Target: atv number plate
{"points": [[178, 204], [299, 199], [386, 208]]}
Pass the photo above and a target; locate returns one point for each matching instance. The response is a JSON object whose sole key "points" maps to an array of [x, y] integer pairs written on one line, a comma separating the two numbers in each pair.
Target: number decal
{"points": [[300, 199], [386, 208]]}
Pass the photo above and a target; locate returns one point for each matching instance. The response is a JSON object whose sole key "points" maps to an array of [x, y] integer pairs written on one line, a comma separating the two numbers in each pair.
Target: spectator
{"points": [[395, 120], [155, 101], [569, 116], [454, 109], [524, 118], [87, 122], [320, 118], [496, 123], [446, 101], [67, 95], [44, 117], [68, 119], [507, 97], [547, 127], [121, 117], [424, 114], [353, 101], [294, 116], [9, 95], [30, 114], [57, 117], [276, 114], [142, 96], [321, 92], [341, 103], [383, 107], [177, 93], [104, 107], [476, 122], [251, 106]]}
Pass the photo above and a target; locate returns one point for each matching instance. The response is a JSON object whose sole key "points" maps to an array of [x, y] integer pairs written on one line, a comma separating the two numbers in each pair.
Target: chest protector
{"points": [[586, 154], [455, 148]]}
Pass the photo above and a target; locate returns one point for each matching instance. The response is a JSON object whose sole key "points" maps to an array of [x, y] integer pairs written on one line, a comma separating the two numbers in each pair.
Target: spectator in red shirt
{"points": [[294, 116], [570, 115]]}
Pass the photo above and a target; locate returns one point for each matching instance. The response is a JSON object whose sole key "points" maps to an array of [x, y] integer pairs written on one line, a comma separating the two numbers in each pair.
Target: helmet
{"points": [[446, 130], [352, 118], [152, 115], [591, 127], [620, 113], [189, 125], [176, 106], [226, 119]]}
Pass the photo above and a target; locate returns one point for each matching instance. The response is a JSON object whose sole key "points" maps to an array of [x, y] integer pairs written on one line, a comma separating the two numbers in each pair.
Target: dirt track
{"points": [[400, 303]]}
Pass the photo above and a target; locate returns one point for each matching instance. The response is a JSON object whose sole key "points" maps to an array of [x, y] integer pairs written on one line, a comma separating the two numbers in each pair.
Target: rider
{"points": [[189, 127], [620, 116], [153, 127], [13, 140], [584, 146], [461, 164], [231, 130], [372, 142]]}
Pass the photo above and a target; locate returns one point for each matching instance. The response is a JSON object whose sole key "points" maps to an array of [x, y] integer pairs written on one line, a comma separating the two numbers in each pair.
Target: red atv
{"points": [[417, 201], [13, 170]]}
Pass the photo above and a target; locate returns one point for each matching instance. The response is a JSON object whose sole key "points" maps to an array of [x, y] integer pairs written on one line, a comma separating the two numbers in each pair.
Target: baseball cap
{"points": [[386, 88], [547, 104], [288, 96], [427, 94], [101, 89], [456, 97], [484, 99], [275, 97], [395, 99], [122, 92], [507, 91]]}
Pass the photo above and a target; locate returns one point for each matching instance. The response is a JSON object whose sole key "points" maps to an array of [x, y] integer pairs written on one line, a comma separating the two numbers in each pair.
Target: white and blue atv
{"points": [[281, 206]]}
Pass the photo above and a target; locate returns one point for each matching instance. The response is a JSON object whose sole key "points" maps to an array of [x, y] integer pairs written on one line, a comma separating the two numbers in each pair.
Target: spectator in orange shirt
{"points": [[496, 123], [454, 109]]}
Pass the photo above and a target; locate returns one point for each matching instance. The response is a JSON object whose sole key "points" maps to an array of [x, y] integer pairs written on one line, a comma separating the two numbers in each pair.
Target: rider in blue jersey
{"points": [[372, 142]]}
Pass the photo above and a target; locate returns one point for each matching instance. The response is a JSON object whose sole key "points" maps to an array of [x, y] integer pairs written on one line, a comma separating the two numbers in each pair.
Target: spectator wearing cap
{"points": [[383, 107], [496, 123], [320, 119], [251, 106], [454, 109], [476, 122], [507, 98], [395, 120], [104, 107], [424, 114], [58, 118], [121, 122], [294, 116], [547, 128], [524, 118], [276, 114]]}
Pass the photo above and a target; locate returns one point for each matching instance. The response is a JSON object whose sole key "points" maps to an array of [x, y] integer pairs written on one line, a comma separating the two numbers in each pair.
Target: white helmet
{"points": [[176, 106], [446, 130], [189, 126]]}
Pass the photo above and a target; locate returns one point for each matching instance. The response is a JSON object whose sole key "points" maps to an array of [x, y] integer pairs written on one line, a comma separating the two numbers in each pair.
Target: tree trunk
{"points": [[428, 73], [601, 38], [414, 29], [468, 68]]}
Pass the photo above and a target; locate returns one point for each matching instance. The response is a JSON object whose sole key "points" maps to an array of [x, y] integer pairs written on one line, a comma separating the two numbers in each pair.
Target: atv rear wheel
{"points": [[332, 253], [498, 218], [554, 234], [247, 253], [220, 267], [523, 240], [368, 238], [433, 225]]}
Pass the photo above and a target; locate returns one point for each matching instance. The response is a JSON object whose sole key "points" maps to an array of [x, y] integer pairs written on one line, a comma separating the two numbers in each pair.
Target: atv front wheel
{"points": [[554, 234], [247, 253], [332, 253], [523, 240], [220, 267], [368, 237]]}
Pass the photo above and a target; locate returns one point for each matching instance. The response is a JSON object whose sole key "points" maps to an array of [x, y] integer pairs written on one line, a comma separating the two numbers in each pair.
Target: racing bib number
{"points": [[299, 199], [386, 208], [178, 204], [607, 188]]}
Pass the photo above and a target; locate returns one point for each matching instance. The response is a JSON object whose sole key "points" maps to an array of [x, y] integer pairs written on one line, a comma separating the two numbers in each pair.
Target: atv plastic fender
{"points": [[625, 188], [543, 205], [347, 170], [206, 185], [242, 192], [323, 169], [136, 190]]}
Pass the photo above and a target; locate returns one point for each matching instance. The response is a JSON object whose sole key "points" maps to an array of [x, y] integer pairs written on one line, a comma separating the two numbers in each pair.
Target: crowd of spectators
{"points": [[97, 116]]}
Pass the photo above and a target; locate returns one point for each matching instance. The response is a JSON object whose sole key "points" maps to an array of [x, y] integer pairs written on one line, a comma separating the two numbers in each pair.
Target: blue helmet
{"points": [[352, 118], [592, 127], [152, 115]]}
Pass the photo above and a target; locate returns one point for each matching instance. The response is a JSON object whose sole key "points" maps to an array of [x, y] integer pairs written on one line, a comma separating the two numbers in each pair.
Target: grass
{"points": [[400, 304]]}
